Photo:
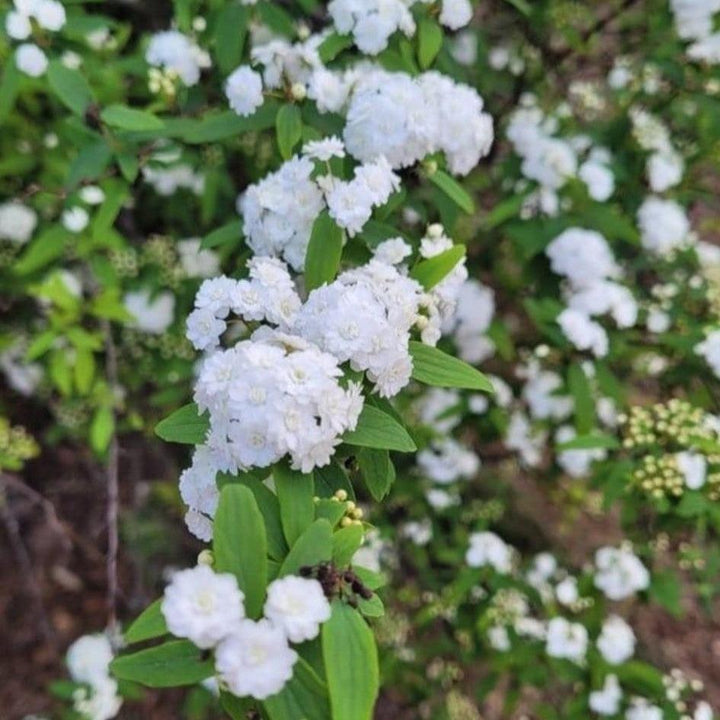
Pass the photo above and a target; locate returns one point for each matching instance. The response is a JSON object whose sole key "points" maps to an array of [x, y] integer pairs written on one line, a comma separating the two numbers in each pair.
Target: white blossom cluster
{"points": [[694, 22], [150, 313], [469, 324], [584, 259], [167, 181], [279, 211], [88, 660], [664, 226], [404, 119], [178, 55], [372, 22], [551, 161], [619, 573], [665, 165], [17, 222], [49, 15], [252, 658]]}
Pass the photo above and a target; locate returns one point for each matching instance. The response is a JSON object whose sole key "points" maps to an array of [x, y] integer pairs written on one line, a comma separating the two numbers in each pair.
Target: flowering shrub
{"points": [[428, 291]]}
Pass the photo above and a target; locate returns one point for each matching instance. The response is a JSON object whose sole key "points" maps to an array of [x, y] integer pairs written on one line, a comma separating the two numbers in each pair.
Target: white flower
{"points": [[524, 439], [17, 25], [151, 314], [92, 195], [664, 226], [703, 711], [709, 348], [566, 591], [31, 60], [582, 332], [486, 548], [658, 321], [88, 658], [446, 461], [619, 573], [197, 261], [693, 467], [607, 700], [616, 642], [641, 709], [392, 251], [419, 532], [456, 13], [202, 605], [566, 640], [75, 219], [582, 256], [599, 179], [50, 14], [17, 222], [177, 53], [297, 606], [324, 149], [255, 660], [244, 90], [664, 169]]}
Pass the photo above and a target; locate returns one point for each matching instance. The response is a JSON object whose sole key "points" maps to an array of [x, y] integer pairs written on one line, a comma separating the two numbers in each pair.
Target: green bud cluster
{"points": [[508, 605], [16, 445], [461, 707], [659, 476]]}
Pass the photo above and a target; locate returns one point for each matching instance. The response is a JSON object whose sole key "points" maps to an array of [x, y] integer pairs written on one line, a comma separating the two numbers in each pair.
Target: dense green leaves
{"points": [[351, 664], [185, 425], [434, 367], [376, 429], [230, 34], [240, 544], [172, 664]]}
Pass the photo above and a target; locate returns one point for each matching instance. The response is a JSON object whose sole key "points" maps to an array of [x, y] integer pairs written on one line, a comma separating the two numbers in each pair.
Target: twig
{"points": [[112, 474], [25, 562]]}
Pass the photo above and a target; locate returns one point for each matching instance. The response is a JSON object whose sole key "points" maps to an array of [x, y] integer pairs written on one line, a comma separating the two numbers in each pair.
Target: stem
{"points": [[112, 475]]}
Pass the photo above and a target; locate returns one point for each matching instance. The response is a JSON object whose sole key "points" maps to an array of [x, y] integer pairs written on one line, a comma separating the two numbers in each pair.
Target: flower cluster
{"points": [[88, 660], [252, 657]]}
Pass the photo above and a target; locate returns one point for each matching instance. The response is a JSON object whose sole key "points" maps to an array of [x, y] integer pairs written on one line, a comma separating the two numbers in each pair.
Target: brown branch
{"points": [[22, 556]]}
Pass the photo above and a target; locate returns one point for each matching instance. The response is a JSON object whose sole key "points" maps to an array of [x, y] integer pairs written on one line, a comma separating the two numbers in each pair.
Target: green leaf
{"points": [[304, 697], [240, 544], [288, 126], [148, 625], [376, 429], [45, 248], [435, 269], [312, 547], [223, 235], [330, 509], [580, 389], [346, 543], [129, 166], [430, 40], [70, 87], [277, 18], [220, 126], [591, 441], [236, 707], [230, 34], [377, 470], [101, 429], [692, 504], [666, 590], [453, 190], [640, 677], [185, 426], [8, 89], [351, 664], [295, 492], [330, 479], [372, 607], [171, 664], [324, 251], [126, 118], [434, 367], [90, 163], [333, 45], [84, 370], [270, 508]]}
